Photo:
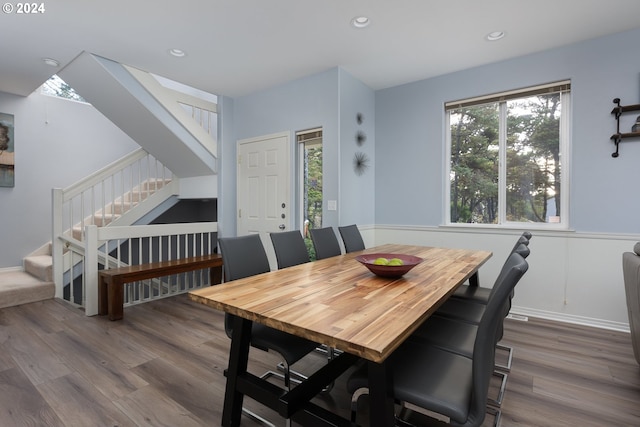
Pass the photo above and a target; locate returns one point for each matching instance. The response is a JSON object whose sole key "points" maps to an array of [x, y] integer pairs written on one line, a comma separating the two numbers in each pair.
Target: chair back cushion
{"points": [[289, 248], [631, 273], [351, 238], [325, 242], [522, 240], [243, 256], [521, 250]]}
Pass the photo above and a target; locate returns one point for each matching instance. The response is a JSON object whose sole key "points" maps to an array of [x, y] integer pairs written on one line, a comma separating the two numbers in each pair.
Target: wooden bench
{"points": [[111, 282]]}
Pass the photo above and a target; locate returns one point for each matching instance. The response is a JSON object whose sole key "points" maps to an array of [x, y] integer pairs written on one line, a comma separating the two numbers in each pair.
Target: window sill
{"points": [[492, 228]]}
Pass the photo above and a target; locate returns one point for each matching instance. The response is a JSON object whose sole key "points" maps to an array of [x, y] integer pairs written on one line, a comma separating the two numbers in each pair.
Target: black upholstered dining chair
{"points": [[473, 291], [444, 381], [289, 248], [351, 238], [325, 242], [456, 329], [470, 310], [244, 256], [479, 294]]}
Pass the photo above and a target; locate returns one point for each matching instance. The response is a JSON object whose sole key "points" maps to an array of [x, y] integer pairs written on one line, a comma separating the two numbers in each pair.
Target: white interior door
{"points": [[263, 193]]}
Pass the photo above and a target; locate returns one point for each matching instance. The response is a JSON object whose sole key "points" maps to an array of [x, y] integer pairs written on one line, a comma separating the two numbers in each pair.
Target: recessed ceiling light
{"points": [[495, 35], [178, 53], [360, 22], [51, 62]]}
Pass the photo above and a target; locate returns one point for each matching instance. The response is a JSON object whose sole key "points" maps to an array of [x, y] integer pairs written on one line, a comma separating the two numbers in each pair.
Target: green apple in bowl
{"points": [[386, 264]]}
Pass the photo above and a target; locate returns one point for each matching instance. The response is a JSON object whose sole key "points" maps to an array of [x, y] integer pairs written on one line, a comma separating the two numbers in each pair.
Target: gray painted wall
{"points": [[329, 100], [603, 193], [357, 192], [302, 104], [57, 143]]}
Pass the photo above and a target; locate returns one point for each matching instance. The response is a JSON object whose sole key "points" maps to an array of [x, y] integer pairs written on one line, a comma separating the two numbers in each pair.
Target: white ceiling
{"points": [[236, 47]]}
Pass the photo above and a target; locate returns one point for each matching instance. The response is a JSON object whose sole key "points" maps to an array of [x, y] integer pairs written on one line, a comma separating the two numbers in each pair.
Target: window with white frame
{"points": [[508, 162]]}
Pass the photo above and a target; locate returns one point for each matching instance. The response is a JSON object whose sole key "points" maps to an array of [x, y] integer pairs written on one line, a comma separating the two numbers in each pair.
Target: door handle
{"points": [[281, 227]]}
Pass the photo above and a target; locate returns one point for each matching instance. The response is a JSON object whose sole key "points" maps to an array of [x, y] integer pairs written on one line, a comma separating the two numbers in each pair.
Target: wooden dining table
{"points": [[340, 303]]}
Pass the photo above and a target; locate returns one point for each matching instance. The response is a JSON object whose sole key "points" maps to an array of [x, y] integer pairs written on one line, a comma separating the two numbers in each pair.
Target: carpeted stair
{"points": [[33, 283]]}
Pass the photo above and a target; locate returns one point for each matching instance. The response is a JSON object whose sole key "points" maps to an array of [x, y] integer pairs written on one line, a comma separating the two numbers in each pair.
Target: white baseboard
{"points": [[10, 269], [570, 318]]}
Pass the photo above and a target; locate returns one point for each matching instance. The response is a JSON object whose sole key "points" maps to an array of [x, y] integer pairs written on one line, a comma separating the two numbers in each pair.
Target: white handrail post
{"points": [[91, 270], [57, 248]]}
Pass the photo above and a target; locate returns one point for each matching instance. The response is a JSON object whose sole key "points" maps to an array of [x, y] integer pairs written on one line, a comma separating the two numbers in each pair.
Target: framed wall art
{"points": [[7, 159]]}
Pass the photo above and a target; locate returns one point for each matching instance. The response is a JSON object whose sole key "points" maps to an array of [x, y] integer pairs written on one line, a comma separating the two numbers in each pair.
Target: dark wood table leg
{"points": [[115, 289], [215, 275], [381, 403], [238, 360], [103, 297]]}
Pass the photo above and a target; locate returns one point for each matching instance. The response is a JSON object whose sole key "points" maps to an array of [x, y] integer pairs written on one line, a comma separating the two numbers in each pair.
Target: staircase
{"points": [[177, 132], [35, 281]]}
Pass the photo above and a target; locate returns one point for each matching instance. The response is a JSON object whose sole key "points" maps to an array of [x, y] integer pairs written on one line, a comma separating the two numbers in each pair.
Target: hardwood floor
{"points": [[162, 365]]}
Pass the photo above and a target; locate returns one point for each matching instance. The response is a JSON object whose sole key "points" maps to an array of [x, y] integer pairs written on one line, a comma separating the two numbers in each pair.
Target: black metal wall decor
{"points": [[617, 137], [360, 159], [360, 162]]}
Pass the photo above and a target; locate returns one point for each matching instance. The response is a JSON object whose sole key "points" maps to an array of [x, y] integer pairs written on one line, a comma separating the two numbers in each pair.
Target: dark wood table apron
{"points": [[337, 302]]}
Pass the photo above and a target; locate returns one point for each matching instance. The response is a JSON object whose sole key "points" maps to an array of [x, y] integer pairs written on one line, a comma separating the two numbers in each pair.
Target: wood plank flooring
{"points": [[163, 366]]}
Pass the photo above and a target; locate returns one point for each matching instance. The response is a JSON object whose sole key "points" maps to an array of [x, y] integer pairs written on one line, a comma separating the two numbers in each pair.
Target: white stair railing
{"points": [[197, 115], [113, 195], [141, 244]]}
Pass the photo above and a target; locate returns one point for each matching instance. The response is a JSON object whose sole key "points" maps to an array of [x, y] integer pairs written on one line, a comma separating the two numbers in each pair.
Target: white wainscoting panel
{"points": [[573, 277]]}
